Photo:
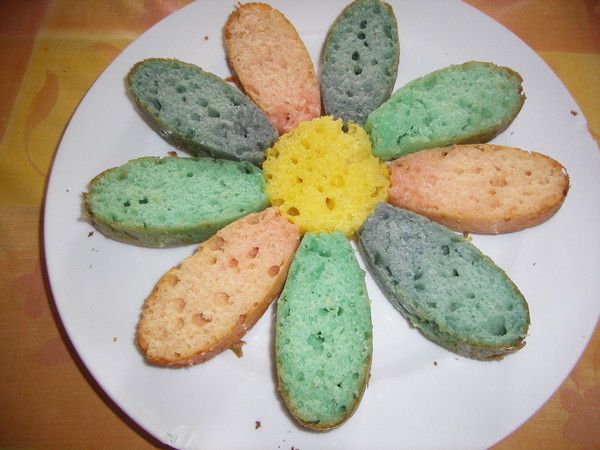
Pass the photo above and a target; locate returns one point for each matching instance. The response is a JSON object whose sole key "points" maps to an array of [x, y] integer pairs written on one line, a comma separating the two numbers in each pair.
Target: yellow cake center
{"points": [[323, 177]]}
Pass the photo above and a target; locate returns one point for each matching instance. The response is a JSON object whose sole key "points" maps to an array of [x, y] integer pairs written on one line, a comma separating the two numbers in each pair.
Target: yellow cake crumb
{"points": [[323, 177]]}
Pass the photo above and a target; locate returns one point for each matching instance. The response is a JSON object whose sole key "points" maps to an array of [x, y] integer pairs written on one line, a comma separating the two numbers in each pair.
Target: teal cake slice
{"points": [[447, 288], [199, 112], [460, 104], [161, 202], [360, 60], [323, 337]]}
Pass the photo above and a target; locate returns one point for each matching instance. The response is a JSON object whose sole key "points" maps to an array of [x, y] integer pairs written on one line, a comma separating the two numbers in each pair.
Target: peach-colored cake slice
{"points": [[207, 303], [481, 188], [272, 65]]}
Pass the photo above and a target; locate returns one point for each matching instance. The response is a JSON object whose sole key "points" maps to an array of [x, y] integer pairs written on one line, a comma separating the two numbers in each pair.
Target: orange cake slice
{"points": [[208, 302], [272, 65], [481, 188]]}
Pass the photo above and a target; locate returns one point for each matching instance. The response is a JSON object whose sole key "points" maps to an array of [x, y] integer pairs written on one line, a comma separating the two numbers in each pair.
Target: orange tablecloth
{"points": [[51, 52]]}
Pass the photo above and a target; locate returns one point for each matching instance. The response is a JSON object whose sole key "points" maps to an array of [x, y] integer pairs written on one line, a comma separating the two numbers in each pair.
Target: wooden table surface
{"points": [[51, 52]]}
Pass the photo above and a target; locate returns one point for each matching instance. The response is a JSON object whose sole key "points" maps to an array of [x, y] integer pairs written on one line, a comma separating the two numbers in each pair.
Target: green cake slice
{"points": [[161, 202], [447, 288], [461, 104], [323, 337]]}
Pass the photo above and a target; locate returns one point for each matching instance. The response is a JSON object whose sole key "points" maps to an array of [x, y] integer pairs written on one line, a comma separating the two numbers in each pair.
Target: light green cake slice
{"points": [[156, 202], [461, 104], [323, 338]]}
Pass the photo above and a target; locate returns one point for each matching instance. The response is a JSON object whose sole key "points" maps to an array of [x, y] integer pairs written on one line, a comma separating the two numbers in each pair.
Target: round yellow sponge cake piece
{"points": [[323, 177]]}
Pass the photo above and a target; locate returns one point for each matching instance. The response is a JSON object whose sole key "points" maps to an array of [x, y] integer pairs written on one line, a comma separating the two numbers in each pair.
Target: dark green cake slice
{"points": [[443, 284], [360, 60]]}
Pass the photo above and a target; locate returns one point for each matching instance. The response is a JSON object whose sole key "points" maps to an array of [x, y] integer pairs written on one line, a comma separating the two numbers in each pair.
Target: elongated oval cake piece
{"points": [[323, 337], [199, 112], [460, 104], [482, 188], [360, 60], [454, 294], [161, 202], [207, 303], [272, 65]]}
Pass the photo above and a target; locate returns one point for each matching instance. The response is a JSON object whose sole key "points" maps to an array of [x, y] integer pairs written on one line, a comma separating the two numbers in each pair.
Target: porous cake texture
{"points": [[323, 177]]}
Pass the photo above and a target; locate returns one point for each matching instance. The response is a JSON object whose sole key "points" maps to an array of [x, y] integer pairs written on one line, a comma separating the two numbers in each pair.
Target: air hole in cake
{"points": [[233, 262], [293, 211], [171, 279], [223, 297], [216, 243], [387, 30], [200, 319], [157, 105], [273, 271], [179, 304], [253, 252], [330, 203], [496, 325]]}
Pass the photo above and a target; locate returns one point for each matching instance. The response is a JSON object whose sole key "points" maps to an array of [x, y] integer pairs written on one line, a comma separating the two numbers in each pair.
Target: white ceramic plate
{"points": [[99, 285]]}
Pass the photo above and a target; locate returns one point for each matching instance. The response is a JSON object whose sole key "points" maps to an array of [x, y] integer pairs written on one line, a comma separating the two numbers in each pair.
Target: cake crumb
{"points": [[237, 348], [435, 363], [573, 113], [231, 79], [172, 153], [257, 424], [205, 37], [467, 236], [114, 339], [90, 234]]}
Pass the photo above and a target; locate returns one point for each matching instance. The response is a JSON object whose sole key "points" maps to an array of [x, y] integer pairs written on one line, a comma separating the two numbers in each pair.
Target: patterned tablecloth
{"points": [[51, 52]]}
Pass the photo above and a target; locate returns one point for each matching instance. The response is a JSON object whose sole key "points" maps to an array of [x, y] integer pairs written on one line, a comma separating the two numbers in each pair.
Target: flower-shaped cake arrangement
{"points": [[289, 167]]}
